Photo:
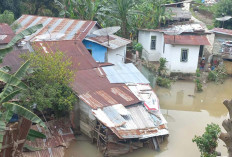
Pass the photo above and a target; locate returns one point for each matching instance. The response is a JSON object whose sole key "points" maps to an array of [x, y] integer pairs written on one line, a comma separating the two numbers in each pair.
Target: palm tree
{"points": [[122, 10], [81, 9]]}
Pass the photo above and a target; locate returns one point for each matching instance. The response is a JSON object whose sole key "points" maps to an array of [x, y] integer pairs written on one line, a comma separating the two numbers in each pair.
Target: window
{"points": [[90, 51], [153, 42], [184, 55]]}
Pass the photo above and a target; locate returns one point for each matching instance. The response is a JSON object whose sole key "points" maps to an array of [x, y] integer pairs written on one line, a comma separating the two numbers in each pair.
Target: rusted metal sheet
{"points": [[58, 136], [186, 40], [13, 60], [137, 122], [222, 31], [72, 29], [94, 88], [14, 139], [74, 50], [113, 43], [6, 33]]}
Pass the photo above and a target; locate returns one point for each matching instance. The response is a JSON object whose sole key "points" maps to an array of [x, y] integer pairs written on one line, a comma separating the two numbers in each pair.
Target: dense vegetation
{"points": [[48, 84]]}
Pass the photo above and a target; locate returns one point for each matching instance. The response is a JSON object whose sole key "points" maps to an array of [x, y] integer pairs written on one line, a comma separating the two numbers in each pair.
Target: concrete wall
{"points": [[145, 39], [116, 55], [173, 55], [98, 51], [218, 40]]}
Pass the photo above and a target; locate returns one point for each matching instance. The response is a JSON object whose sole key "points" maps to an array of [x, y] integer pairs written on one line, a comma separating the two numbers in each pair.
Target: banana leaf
{"points": [[33, 134], [9, 47], [22, 34], [22, 111], [12, 80], [22, 70], [9, 96], [33, 149]]}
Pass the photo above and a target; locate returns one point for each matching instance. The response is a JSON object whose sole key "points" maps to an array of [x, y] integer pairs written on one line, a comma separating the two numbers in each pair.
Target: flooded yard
{"points": [[187, 113]]}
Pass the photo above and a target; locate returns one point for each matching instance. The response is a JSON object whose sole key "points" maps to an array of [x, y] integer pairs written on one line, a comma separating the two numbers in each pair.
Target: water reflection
{"points": [[182, 96]]}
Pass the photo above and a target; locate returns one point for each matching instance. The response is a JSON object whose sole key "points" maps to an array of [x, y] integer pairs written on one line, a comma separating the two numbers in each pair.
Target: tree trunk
{"points": [[227, 124]]}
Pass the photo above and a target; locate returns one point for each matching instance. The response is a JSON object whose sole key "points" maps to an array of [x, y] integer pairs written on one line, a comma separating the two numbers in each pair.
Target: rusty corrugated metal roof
{"points": [[114, 41], [222, 31], [186, 40], [13, 60], [136, 122], [94, 89], [71, 28], [57, 139], [6, 33], [74, 50]]}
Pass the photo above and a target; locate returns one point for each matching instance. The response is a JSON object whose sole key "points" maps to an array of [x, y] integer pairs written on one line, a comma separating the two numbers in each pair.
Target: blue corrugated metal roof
{"points": [[124, 73]]}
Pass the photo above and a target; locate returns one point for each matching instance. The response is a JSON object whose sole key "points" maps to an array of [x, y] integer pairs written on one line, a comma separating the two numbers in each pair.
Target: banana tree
{"points": [[13, 87]]}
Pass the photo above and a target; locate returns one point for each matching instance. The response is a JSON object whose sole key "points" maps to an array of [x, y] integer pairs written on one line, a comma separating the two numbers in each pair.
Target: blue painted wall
{"points": [[98, 51]]}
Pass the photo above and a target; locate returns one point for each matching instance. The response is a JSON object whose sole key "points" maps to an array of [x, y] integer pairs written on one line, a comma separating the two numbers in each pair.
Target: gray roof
{"points": [[124, 73]]}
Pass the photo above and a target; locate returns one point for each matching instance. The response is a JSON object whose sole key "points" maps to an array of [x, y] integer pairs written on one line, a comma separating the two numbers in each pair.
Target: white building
{"points": [[181, 49]]}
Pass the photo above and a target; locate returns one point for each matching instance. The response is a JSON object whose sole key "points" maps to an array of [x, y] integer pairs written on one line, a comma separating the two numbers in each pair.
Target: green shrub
{"points": [[218, 74], [162, 68], [163, 82], [207, 143], [199, 85], [138, 47]]}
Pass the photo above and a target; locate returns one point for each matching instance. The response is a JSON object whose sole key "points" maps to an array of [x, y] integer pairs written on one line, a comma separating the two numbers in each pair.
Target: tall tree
{"points": [[81, 9], [11, 5], [7, 17], [223, 8], [122, 11]]}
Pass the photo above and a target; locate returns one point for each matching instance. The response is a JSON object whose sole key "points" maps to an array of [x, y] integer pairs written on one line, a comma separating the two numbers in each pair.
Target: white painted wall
{"points": [[116, 55], [173, 55], [144, 38]]}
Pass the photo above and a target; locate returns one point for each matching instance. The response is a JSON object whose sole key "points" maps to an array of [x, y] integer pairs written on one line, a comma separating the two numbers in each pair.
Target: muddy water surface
{"points": [[187, 113]]}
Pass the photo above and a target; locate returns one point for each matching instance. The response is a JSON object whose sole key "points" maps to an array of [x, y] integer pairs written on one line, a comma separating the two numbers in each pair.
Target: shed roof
{"points": [[131, 122], [6, 33], [74, 50], [124, 73], [222, 31], [54, 145], [186, 40], [70, 28], [114, 41], [94, 89]]}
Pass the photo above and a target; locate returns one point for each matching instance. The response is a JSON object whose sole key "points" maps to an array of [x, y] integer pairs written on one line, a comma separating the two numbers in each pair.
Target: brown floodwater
{"points": [[187, 113]]}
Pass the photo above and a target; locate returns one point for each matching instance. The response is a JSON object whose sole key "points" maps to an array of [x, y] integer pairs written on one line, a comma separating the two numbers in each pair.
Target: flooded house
{"points": [[119, 115], [222, 47], [117, 108], [181, 45]]}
